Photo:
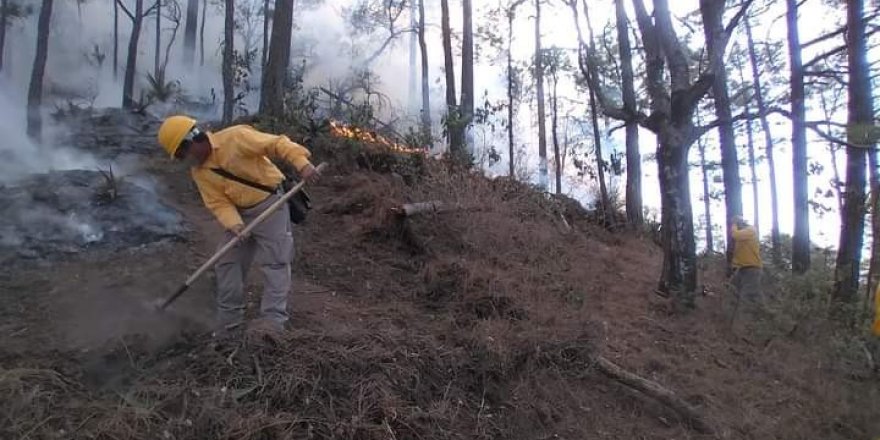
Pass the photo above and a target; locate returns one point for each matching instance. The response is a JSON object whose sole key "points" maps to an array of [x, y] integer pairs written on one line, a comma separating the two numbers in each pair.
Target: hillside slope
{"points": [[482, 321]]}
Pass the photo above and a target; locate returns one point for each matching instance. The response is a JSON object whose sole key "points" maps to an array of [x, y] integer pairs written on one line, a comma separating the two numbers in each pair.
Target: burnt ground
{"points": [[479, 322]]}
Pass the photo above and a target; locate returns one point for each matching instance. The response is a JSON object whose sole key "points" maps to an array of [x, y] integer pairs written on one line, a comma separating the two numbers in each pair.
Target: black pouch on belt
{"points": [[298, 205]]}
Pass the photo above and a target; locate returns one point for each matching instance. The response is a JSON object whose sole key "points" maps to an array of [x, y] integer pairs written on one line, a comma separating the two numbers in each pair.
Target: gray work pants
{"points": [[747, 282], [271, 242]]}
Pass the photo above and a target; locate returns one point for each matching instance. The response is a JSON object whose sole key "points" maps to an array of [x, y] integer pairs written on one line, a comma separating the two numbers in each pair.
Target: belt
{"points": [[278, 191]]}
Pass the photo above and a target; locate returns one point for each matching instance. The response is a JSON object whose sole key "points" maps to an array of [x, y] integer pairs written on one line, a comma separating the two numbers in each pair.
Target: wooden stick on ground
{"points": [[412, 209], [656, 391]]}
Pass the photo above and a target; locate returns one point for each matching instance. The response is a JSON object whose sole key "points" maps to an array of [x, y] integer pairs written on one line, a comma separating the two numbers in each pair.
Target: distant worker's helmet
{"points": [[173, 131]]}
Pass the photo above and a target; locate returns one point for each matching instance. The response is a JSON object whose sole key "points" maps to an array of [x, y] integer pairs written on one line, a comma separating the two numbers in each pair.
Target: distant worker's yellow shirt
{"points": [[876, 327], [244, 152], [746, 249]]}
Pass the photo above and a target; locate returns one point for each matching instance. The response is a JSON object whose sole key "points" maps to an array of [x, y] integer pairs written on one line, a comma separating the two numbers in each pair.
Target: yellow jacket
{"points": [[245, 152], [876, 328], [746, 249]]}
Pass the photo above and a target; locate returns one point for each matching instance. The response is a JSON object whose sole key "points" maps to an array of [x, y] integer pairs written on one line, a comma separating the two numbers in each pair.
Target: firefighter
{"points": [[747, 264], [229, 168]]}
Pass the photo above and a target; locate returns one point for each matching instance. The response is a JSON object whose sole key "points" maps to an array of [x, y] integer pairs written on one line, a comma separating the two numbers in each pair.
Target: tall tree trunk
{"points": [[511, 15], [157, 63], [707, 200], [714, 28], [131, 57], [467, 72], [679, 250], [426, 83], [607, 209], [266, 20], [860, 114], [539, 95], [413, 49], [189, 32], [633, 156], [775, 239], [228, 60], [750, 139], [456, 143], [202, 32], [115, 39], [35, 90], [750, 144], [4, 18], [800, 257], [554, 129], [607, 213], [272, 99]]}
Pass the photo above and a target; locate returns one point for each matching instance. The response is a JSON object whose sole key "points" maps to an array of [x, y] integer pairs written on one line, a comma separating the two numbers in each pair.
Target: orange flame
{"points": [[341, 130]]}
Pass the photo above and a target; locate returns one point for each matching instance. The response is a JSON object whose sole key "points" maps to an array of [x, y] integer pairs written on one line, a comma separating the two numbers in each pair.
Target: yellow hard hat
{"points": [[173, 131]]}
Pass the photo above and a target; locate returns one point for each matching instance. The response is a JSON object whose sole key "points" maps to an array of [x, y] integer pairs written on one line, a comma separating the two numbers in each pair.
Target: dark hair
{"points": [[201, 137]]}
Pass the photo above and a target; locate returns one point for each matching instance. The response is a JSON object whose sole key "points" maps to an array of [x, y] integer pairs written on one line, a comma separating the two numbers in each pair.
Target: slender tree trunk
{"points": [[511, 15], [456, 143], [131, 58], [750, 144], [202, 32], [539, 95], [467, 73], [800, 257], [633, 156], [157, 63], [607, 213], [413, 49], [426, 83], [35, 90], [115, 39], [707, 200], [275, 74], [266, 20], [554, 128], [607, 209], [775, 239], [189, 32], [750, 138], [228, 47], [714, 28], [4, 18], [861, 114]]}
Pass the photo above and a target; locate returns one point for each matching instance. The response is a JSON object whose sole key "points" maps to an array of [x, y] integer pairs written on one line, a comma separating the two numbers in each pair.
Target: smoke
{"points": [[20, 156]]}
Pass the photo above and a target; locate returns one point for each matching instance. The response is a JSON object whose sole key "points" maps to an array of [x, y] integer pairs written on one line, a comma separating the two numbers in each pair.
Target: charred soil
{"points": [[483, 320]]}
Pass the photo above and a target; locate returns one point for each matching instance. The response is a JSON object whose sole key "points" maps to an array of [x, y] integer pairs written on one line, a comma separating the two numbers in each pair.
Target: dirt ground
{"points": [[479, 322]]}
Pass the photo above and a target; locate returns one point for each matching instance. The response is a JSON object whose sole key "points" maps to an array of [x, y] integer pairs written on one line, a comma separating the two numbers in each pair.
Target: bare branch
{"points": [[124, 9], [391, 37], [587, 64], [734, 22], [831, 52], [154, 8]]}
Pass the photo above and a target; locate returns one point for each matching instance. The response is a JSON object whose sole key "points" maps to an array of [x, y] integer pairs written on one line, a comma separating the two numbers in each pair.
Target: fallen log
{"points": [[412, 209], [656, 391]]}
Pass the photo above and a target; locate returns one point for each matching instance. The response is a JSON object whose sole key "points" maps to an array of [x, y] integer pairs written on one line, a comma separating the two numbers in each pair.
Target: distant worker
{"points": [[219, 162], [746, 263], [876, 327]]}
